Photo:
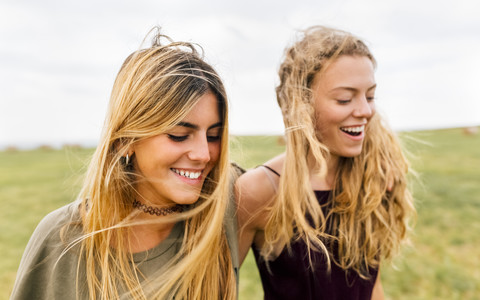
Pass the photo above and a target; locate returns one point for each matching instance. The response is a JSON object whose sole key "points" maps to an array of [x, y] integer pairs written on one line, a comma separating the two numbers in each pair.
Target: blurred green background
{"points": [[443, 263]]}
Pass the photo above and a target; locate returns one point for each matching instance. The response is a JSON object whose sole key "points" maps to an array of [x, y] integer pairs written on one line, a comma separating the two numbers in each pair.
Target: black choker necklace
{"points": [[158, 211]]}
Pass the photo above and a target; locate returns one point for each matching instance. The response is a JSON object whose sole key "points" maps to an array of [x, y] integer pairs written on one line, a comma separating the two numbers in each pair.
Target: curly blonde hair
{"points": [[368, 222]]}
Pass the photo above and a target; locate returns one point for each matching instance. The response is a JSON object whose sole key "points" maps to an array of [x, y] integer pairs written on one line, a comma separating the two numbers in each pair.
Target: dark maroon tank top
{"points": [[291, 277]]}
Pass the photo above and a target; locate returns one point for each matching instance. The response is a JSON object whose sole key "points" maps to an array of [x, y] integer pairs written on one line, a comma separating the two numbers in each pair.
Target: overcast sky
{"points": [[58, 59]]}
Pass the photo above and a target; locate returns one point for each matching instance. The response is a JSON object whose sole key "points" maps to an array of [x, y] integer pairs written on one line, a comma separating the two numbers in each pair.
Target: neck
{"points": [[322, 182], [153, 227], [145, 237], [158, 211], [150, 231]]}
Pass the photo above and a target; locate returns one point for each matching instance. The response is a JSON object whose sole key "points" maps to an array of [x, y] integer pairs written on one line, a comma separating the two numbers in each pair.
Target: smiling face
{"points": [[173, 166], [344, 104]]}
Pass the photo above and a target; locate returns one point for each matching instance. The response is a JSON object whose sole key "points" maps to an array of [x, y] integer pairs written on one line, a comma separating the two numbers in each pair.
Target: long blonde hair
{"points": [[368, 222], [155, 89]]}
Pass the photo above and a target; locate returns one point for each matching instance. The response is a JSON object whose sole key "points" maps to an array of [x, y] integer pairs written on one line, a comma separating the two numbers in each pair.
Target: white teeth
{"points": [[354, 129], [187, 174]]}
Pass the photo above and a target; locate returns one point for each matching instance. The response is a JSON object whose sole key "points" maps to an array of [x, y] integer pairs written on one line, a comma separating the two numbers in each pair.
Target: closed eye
{"points": [[213, 138], [343, 101], [177, 138]]}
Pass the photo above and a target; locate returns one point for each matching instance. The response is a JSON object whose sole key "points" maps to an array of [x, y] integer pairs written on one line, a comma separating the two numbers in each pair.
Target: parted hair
{"points": [[155, 89], [367, 221]]}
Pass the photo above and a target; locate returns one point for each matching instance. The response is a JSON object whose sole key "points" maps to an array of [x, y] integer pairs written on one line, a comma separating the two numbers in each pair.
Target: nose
{"points": [[200, 150], [364, 108]]}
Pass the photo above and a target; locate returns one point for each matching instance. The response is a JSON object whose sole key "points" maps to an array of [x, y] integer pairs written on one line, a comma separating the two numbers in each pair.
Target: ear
{"points": [[130, 151], [127, 156], [122, 149]]}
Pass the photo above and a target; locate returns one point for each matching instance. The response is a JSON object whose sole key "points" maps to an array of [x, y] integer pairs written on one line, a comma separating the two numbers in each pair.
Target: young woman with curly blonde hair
{"points": [[322, 216], [153, 219]]}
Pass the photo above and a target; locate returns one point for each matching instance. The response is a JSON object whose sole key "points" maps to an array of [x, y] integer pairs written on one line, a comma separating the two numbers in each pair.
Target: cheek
{"points": [[327, 120], [319, 126], [372, 107], [319, 122], [214, 150], [322, 130]]}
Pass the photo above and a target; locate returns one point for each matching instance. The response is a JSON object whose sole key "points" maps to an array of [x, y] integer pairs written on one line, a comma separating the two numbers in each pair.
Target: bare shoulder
{"points": [[255, 191]]}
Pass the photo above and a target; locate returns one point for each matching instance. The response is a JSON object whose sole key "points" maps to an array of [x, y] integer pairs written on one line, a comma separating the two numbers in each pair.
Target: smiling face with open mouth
{"points": [[344, 104], [173, 166]]}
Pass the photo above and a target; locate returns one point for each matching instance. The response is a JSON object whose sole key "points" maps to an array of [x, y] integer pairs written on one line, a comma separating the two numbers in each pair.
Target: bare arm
{"points": [[377, 293], [254, 193]]}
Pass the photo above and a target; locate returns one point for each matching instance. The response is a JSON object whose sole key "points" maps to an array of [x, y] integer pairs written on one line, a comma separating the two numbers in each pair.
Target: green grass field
{"points": [[443, 263]]}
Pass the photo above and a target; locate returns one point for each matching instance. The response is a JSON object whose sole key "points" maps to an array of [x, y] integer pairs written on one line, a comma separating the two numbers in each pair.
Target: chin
{"points": [[351, 153], [355, 154], [187, 199]]}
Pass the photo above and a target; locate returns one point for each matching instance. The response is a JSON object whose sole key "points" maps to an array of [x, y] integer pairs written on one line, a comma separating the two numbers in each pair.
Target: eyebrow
{"points": [[353, 89], [193, 126]]}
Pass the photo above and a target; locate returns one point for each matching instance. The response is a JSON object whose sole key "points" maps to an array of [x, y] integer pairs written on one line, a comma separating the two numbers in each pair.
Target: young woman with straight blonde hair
{"points": [[322, 216], [153, 219]]}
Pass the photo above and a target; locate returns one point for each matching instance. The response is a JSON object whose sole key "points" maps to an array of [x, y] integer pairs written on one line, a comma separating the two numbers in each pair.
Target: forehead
{"points": [[346, 71], [205, 109]]}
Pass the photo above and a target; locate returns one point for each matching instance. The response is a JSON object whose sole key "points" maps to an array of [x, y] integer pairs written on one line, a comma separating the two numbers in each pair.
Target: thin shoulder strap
{"points": [[273, 171], [269, 176]]}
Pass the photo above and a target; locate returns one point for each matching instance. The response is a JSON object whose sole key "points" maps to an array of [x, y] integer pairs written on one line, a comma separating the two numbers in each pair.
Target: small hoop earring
{"points": [[127, 159]]}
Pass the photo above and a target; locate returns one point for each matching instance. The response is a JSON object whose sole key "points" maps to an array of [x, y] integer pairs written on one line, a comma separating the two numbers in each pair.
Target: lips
{"points": [[187, 174], [353, 130]]}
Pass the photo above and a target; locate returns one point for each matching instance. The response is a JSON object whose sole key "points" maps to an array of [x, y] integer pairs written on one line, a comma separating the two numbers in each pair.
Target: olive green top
{"points": [[44, 273]]}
